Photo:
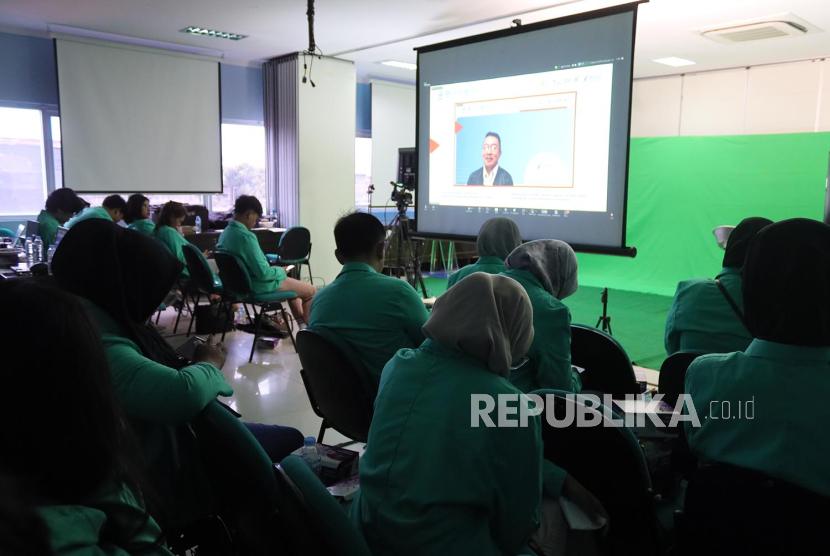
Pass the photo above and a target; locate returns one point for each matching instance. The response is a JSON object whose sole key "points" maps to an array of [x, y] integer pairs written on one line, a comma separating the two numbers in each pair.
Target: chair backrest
{"points": [[673, 375], [234, 275], [607, 366], [243, 479], [295, 244], [198, 268], [609, 462], [730, 510], [5, 232], [304, 494], [200, 211], [334, 386]]}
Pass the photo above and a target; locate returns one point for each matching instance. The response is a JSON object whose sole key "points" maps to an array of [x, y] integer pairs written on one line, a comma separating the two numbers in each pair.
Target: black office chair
{"points": [[237, 284], [609, 462], [242, 476], [295, 249], [673, 375], [203, 281], [183, 284], [731, 510], [607, 366], [336, 390]]}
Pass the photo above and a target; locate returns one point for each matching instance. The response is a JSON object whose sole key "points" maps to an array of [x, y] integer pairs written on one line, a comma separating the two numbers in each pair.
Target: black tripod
{"points": [[409, 263], [605, 320]]}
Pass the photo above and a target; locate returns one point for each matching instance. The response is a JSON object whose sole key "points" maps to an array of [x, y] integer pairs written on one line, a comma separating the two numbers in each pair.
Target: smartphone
{"points": [[188, 349]]}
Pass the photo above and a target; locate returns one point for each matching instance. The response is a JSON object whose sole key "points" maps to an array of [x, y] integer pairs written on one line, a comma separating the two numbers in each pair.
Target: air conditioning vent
{"points": [[776, 26]]}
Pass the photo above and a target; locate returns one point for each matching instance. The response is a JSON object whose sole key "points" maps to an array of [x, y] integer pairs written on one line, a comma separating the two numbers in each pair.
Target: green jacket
{"points": [[145, 226], [238, 240], [490, 265], [159, 401], [48, 228], [375, 314], [781, 433], [432, 484], [89, 212], [549, 365], [89, 530], [701, 319], [173, 241]]}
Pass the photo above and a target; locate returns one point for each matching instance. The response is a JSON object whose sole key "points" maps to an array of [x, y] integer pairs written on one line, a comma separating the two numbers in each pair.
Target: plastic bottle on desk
{"points": [[30, 251], [38, 249], [50, 253], [198, 225], [311, 455]]}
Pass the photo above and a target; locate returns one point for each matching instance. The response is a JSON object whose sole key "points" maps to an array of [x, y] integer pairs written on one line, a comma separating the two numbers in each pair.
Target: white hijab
{"points": [[552, 261], [486, 316]]}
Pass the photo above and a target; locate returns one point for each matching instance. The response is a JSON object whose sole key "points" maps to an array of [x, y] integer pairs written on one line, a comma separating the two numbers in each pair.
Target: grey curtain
{"points": [[282, 162]]}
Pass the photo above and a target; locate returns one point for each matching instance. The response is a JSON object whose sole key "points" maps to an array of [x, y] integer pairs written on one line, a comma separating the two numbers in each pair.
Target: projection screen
{"points": [[137, 119]]}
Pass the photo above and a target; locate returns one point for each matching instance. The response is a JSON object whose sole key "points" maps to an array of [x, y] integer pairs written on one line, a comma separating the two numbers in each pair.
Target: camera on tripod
{"points": [[401, 191]]}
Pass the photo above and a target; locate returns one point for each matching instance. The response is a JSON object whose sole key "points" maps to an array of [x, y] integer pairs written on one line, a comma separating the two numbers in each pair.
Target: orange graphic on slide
{"points": [[433, 145], [458, 127]]}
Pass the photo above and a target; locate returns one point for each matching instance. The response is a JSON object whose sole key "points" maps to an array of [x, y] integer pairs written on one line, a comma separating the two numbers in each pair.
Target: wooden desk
{"points": [[269, 239]]}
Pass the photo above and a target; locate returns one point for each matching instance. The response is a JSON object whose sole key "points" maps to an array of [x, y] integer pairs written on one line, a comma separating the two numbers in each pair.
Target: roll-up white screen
{"points": [[138, 120]]}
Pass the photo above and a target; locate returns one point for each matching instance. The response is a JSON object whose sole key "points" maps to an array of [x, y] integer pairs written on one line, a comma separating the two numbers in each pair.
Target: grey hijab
{"points": [[498, 237], [552, 261], [486, 316]]}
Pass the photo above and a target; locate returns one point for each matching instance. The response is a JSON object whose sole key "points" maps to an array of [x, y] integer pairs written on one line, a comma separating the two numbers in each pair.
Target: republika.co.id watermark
{"points": [[514, 410]]}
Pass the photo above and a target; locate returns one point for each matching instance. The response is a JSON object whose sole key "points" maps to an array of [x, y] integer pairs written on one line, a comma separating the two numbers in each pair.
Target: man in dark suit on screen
{"points": [[490, 173]]}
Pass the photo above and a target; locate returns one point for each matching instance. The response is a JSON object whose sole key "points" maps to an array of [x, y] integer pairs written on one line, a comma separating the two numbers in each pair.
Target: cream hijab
{"points": [[486, 316], [552, 261]]}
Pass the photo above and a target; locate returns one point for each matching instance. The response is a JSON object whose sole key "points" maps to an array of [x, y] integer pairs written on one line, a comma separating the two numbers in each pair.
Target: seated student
{"points": [[701, 318], [784, 371], [547, 269], [238, 239], [137, 214], [111, 209], [158, 390], [375, 315], [429, 482], [167, 232], [497, 238], [60, 206], [66, 442]]}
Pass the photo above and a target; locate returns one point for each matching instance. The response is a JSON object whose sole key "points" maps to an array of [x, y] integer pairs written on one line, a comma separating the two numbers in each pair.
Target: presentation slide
{"points": [[532, 124]]}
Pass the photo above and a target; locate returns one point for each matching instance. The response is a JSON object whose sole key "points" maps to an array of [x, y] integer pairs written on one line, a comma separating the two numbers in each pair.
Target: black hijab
{"points": [[785, 283], [125, 273], [738, 243]]}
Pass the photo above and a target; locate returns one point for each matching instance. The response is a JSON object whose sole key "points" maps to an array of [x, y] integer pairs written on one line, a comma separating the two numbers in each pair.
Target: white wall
{"points": [[327, 134], [778, 98], [393, 128]]}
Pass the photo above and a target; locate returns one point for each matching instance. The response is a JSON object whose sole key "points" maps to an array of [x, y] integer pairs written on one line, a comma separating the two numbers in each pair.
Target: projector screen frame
{"points": [[622, 250], [139, 48]]}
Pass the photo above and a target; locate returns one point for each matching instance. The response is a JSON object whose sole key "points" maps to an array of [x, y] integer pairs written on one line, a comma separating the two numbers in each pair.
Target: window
{"points": [[55, 125], [23, 180], [243, 165]]}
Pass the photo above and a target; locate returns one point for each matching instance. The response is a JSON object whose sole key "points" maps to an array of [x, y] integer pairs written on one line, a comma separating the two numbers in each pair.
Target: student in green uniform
{"points": [[66, 442], [701, 318], [497, 238], [137, 214], [784, 373], [60, 206], [432, 484], [167, 233], [122, 277], [238, 239], [111, 209], [547, 269], [375, 315]]}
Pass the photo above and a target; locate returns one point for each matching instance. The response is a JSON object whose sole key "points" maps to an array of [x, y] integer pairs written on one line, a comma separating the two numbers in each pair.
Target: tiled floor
{"points": [[270, 389]]}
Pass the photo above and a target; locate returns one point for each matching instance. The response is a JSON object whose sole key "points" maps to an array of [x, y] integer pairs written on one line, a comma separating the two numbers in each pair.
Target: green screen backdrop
{"points": [[681, 188]]}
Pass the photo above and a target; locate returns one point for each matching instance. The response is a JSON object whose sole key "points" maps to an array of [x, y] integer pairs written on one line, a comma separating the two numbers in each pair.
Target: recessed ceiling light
{"points": [[201, 31], [402, 65], [674, 62]]}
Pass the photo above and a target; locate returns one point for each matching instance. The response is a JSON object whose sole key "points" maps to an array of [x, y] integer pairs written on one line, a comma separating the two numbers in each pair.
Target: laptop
{"points": [[59, 236], [20, 229], [32, 228]]}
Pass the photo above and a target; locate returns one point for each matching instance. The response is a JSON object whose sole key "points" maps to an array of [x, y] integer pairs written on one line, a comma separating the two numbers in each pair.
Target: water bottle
{"points": [[30, 251], [241, 317], [38, 250], [274, 216], [311, 455], [50, 253], [198, 224]]}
